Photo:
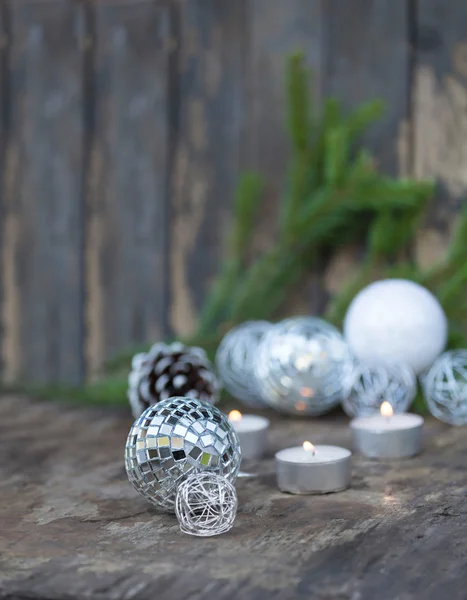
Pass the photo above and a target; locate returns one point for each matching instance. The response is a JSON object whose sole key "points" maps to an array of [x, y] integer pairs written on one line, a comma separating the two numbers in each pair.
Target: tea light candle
{"points": [[387, 435], [252, 431], [310, 469]]}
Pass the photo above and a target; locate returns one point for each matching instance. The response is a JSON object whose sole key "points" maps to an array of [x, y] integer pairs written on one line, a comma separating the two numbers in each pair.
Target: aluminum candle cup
{"points": [[252, 432], [312, 469], [397, 436]]}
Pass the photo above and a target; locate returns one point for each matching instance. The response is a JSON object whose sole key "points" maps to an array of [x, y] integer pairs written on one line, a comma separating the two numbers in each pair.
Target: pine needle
{"points": [[333, 194]]}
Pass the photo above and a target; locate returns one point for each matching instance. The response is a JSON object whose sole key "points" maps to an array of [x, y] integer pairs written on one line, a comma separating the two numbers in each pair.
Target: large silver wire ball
{"points": [[368, 386], [445, 387], [176, 438], [234, 361], [301, 365], [206, 505]]}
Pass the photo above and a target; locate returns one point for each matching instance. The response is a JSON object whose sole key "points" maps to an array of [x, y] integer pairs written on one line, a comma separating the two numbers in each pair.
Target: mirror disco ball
{"points": [[176, 438], [301, 366]]}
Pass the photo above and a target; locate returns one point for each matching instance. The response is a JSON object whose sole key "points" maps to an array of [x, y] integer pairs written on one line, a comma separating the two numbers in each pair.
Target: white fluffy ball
{"points": [[396, 320]]}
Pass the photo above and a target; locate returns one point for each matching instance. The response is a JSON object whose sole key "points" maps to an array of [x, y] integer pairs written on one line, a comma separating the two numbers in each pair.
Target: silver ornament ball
{"points": [[206, 505], [367, 386], [445, 387], [300, 367], [176, 438], [234, 361]]}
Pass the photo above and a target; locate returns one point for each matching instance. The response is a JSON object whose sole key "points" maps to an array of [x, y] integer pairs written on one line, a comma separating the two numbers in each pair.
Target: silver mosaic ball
{"points": [[206, 505], [445, 387], [300, 367], [176, 438], [367, 386], [234, 361]]}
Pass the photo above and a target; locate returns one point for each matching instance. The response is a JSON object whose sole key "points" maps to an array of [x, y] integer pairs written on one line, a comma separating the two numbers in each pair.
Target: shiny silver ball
{"points": [[176, 438], [445, 387], [206, 504], [234, 361], [300, 367], [368, 386]]}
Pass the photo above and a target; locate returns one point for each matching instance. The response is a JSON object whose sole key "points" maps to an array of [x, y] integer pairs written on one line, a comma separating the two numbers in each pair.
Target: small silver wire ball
{"points": [[367, 386], [176, 438], [445, 387], [234, 361], [301, 365], [206, 505]]}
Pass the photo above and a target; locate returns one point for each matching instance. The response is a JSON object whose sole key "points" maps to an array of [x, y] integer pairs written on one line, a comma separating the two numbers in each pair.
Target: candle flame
{"points": [[235, 415], [309, 447], [386, 409]]}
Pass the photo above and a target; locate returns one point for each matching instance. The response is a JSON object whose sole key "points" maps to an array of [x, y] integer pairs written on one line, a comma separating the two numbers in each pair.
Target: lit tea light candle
{"points": [[310, 469], [388, 435], [252, 431]]}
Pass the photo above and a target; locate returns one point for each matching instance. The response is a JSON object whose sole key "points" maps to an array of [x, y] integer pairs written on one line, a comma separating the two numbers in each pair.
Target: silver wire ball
{"points": [[176, 438], [206, 505], [300, 367], [367, 386], [445, 387], [234, 361]]}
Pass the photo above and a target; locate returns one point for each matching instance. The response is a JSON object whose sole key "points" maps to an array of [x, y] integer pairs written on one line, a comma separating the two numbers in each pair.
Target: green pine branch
{"points": [[245, 209], [333, 194]]}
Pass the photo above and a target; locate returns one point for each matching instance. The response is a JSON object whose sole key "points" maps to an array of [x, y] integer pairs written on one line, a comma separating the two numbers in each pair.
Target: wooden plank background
{"points": [[127, 201], [42, 204], [124, 125]]}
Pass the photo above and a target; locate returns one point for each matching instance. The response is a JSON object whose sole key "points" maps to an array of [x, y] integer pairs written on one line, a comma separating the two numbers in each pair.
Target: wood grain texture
{"points": [[4, 121], [207, 146], [71, 526], [367, 57], [125, 124], [440, 115], [126, 252], [275, 30], [43, 210]]}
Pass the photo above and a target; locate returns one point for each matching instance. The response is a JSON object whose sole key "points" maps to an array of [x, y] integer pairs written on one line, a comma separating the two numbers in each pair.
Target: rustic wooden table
{"points": [[71, 526]]}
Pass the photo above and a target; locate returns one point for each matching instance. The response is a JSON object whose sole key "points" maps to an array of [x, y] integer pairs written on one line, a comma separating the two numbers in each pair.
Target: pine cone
{"points": [[170, 370]]}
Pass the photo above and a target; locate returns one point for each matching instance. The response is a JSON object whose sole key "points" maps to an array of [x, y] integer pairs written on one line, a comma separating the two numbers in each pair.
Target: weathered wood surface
{"points": [[206, 138], [440, 117], [42, 202], [373, 64], [3, 126], [71, 527], [275, 29], [126, 258], [124, 125]]}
